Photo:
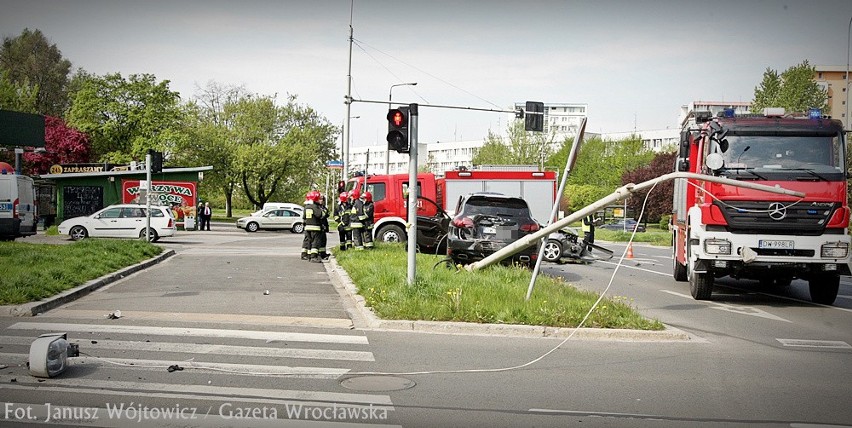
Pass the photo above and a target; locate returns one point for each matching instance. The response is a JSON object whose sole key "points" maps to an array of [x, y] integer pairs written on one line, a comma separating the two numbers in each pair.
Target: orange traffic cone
{"points": [[630, 251]]}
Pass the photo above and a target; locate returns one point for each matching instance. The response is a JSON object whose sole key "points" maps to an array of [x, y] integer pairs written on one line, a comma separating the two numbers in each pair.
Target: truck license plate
{"points": [[776, 244], [489, 230]]}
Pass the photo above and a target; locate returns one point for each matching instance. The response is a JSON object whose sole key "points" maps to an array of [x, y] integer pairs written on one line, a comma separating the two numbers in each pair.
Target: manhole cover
{"points": [[377, 383]]}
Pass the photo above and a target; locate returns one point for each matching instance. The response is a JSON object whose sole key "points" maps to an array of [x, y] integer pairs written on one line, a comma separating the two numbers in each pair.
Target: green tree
{"points": [[15, 96], [519, 148], [599, 168], [795, 90], [279, 150], [209, 140], [126, 117], [31, 60]]}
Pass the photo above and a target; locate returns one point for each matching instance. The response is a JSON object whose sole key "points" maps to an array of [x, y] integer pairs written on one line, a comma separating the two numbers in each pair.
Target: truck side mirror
{"points": [[683, 165]]}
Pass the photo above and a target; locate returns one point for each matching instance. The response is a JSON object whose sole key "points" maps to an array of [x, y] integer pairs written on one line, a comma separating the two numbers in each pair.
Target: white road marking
{"points": [[742, 310], [213, 391], [802, 343], [192, 332], [840, 296], [591, 413], [626, 265], [191, 364], [195, 348]]}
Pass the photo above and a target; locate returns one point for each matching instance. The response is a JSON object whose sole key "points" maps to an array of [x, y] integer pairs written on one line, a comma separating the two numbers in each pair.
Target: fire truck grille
{"points": [[801, 219]]}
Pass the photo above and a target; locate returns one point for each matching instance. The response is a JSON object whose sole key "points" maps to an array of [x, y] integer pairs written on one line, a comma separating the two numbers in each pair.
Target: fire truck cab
{"points": [[720, 230]]}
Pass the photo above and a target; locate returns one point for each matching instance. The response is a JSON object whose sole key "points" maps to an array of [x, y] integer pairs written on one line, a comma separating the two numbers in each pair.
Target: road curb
{"points": [[35, 308], [363, 317]]}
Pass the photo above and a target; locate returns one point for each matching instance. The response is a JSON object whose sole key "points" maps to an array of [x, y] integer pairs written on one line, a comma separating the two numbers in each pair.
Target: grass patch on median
{"points": [[31, 272], [492, 295]]}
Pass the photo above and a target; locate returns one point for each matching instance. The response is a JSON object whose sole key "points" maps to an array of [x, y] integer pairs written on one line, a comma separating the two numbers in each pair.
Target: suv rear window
{"points": [[512, 207]]}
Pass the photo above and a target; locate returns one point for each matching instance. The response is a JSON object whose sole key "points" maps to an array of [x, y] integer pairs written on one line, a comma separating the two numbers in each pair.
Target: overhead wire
{"points": [[358, 42]]}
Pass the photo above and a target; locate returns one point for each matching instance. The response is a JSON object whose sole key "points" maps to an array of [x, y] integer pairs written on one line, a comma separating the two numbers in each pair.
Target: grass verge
{"points": [[652, 236], [492, 295], [32, 272]]}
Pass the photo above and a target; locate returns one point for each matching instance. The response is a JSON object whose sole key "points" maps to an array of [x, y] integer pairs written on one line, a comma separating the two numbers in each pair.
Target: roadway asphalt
{"points": [[231, 276]]}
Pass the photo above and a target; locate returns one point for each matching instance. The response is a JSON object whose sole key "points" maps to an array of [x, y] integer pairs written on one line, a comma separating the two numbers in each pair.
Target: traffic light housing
{"points": [[534, 117], [156, 162], [398, 129]]}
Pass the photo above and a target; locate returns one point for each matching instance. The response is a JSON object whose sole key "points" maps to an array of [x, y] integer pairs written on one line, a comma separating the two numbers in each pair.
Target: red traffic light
{"points": [[397, 118]]}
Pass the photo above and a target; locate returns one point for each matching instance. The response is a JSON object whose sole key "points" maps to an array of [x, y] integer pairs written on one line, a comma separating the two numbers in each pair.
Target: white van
{"points": [[17, 207], [269, 206]]}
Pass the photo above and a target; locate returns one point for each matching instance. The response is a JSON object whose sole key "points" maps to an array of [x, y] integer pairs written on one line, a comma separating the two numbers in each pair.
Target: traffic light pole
{"points": [[412, 195], [148, 197]]}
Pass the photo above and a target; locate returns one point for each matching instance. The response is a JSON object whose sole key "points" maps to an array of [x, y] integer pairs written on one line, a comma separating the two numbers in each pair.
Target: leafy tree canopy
{"points": [[660, 200], [126, 117], [31, 60], [16, 97], [519, 148], [62, 144], [795, 90]]}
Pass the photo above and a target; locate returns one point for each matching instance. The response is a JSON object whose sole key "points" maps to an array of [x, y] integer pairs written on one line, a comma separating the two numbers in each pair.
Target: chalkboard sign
{"points": [[81, 200]]}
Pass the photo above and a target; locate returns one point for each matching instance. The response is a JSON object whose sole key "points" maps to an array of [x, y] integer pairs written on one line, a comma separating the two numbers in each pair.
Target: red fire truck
{"points": [[437, 197], [722, 230]]}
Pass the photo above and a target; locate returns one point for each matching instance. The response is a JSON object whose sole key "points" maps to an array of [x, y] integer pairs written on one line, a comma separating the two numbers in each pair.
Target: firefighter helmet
{"points": [[312, 196], [354, 194], [367, 196], [343, 196]]}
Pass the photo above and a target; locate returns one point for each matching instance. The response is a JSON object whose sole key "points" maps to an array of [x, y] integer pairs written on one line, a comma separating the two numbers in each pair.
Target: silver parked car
{"points": [[271, 220], [121, 221]]}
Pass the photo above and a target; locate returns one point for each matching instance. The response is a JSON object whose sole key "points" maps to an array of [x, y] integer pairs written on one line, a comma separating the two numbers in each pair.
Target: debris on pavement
{"points": [[114, 315], [174, 367]]}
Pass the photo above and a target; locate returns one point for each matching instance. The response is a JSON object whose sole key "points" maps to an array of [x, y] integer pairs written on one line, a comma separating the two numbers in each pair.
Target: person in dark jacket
{"points": [[312, 216], [356, 218], [341, 216], [369, 211], [323, 237]]}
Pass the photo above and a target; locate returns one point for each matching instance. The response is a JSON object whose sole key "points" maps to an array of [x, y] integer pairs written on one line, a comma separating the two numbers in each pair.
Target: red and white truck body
{"points": [[389, 192], [721, 230]]}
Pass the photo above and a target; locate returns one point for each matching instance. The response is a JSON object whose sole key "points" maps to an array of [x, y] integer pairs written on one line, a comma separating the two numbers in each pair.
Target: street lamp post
{"points": [[344, 148], [390, 100], [848, 38]]}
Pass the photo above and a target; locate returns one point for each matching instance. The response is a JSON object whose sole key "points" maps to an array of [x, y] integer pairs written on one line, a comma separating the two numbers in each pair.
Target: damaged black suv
{"points": [[486, 222]]}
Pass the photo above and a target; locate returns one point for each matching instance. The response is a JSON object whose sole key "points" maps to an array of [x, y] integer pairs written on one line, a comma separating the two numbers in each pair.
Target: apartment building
{"points": [[833, 79]]}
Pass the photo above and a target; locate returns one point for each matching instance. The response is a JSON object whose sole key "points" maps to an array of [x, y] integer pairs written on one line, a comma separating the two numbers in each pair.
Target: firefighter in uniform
{"points": [[323, 237], [356, 219], [341, 216], [369, 209], [588, 233], [313, 225]]}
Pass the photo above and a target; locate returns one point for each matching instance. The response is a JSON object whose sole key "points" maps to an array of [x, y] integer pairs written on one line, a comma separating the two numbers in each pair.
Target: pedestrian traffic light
{"points": [[156, 161], [398, 129], [534, 117]]}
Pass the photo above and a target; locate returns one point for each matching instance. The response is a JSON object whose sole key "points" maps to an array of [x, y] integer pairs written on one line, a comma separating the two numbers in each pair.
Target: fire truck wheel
{"points": [[678, 270], [824, 288], [701, 285], [391, 233]]}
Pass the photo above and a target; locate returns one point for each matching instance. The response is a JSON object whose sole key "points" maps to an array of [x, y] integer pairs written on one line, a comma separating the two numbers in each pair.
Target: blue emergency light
{"points": [[815, 113]]}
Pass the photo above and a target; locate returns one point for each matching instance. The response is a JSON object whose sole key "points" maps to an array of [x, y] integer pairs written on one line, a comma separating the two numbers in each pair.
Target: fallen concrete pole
{"points": [[620, 193]]}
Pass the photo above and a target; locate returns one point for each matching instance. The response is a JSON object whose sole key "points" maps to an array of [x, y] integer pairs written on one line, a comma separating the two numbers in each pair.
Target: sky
{"points": [[633, 62]]}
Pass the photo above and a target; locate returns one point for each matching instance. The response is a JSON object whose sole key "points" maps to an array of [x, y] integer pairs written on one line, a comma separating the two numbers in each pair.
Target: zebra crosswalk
{"points": [[178, 376]]}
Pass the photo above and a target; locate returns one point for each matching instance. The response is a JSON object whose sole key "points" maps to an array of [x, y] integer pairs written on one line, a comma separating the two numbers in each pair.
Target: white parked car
{"points": [[269, 206], [121, 221], [275, 219]]}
